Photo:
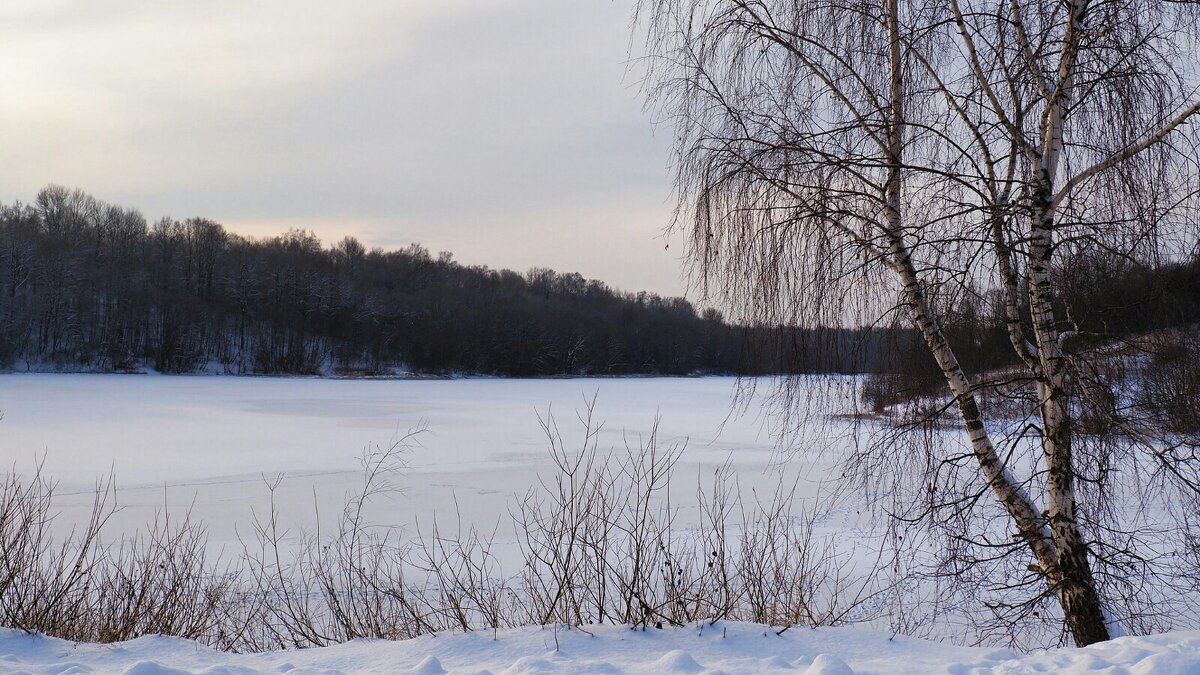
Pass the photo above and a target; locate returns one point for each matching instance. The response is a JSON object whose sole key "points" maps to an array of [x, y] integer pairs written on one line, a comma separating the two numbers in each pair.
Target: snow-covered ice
{"points": [[210, 443]]}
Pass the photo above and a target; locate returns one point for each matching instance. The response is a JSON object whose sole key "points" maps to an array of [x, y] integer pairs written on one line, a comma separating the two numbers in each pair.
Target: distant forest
{"points": [[86, 285]]}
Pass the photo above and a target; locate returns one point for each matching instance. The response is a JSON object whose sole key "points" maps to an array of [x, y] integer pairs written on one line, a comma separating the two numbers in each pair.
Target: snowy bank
{"points": [[724, 647]]}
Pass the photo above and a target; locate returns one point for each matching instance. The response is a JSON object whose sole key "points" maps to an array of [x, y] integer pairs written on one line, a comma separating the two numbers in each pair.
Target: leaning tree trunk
{"points": [[1055, 538], [1004, 487], [1061, 552], [1075, 585]]}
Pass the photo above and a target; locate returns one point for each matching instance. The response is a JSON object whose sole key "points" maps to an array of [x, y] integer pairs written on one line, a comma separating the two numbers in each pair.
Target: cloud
{"points": [[470, 123]]}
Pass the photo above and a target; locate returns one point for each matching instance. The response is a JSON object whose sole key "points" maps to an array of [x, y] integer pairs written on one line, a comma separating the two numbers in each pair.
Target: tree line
{"points": [[1108, 300], [87, 285], [90, 285]]}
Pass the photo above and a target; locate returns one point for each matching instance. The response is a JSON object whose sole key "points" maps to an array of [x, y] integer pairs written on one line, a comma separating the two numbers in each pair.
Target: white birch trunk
{"points": [[1075, 585], [1006, 489]]}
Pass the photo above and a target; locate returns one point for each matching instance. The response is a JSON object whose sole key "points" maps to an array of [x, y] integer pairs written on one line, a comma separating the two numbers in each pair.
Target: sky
{"points": [[509, 132]]}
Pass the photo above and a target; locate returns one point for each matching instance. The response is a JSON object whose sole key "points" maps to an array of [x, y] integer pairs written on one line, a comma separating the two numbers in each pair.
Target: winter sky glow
{"points": [[505, 131]]}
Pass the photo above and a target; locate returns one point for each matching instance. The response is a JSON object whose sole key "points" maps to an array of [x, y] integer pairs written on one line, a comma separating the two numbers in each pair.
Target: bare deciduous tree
{"points": [[841, 160]]}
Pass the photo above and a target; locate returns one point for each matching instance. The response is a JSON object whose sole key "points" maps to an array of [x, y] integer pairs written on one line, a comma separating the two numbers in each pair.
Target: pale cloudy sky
{"points": [[505, 131]]}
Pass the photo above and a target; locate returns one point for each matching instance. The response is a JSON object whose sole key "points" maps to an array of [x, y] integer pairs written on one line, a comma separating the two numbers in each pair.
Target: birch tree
{"points": [[841, 160]]}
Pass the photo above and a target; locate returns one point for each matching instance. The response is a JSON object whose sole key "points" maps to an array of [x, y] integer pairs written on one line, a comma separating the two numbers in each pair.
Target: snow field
{"points": [[731, 648], [210, 445]]}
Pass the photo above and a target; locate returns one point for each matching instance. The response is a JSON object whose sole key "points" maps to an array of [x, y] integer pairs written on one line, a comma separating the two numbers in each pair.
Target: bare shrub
{"points": [[601, 545], [599, 541], [466, 586], [79, 588], [597, 537], [315, 590], [162, 582], [41, 581], [1171, 383]]}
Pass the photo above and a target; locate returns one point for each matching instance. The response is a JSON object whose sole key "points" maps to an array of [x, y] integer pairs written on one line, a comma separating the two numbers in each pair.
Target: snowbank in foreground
{"points": [[729, 648]]}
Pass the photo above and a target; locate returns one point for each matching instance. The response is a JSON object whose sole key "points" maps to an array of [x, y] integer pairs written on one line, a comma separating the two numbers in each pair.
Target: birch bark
{"points": [[1004, 486], [1075, 586]]}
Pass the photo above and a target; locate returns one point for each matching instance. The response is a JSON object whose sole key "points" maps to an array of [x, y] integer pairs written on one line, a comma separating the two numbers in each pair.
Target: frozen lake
{"points": [[211, 443]]}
